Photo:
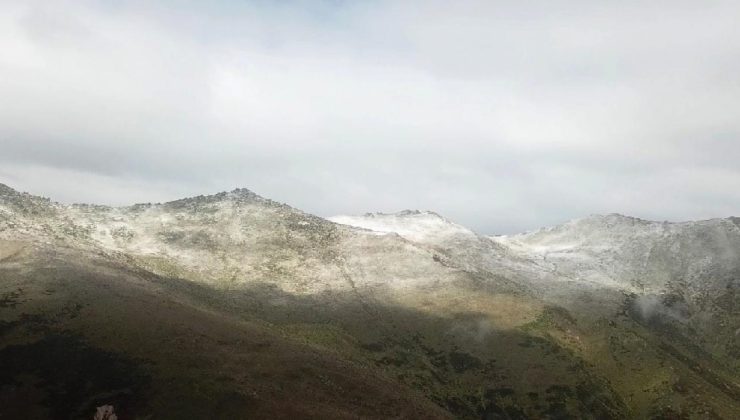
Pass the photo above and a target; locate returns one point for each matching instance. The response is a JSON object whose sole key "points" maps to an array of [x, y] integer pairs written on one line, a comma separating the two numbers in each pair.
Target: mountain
{"points": [[236, 306]]}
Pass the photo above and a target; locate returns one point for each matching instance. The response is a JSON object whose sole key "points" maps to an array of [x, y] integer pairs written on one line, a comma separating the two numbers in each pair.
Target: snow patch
{"points": [[414, 225]]}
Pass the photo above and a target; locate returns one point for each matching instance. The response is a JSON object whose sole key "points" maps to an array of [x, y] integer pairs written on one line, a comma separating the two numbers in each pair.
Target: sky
{"points": [[501, 116]]}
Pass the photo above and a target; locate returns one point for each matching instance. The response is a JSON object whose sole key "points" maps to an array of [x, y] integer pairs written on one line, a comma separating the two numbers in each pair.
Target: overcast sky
{"points": [[502, 116]]}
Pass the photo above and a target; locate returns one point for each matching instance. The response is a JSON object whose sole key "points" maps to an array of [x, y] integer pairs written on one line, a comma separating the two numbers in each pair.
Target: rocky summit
{"points": [[236, 306]]}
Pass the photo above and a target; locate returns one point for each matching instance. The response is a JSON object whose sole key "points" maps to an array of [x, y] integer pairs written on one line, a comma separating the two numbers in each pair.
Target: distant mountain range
{"points": [[236, 306]]}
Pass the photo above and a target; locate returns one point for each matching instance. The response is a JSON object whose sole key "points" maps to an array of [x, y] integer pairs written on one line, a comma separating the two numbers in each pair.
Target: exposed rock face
{"points": [[105, 412], [233, 305]]}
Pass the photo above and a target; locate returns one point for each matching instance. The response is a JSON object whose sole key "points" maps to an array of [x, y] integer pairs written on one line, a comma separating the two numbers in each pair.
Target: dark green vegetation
{"points": [[75, 378]]}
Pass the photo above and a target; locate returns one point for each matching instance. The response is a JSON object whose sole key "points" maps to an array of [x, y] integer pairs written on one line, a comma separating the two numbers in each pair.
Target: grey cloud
{"points": [[504, 116]]}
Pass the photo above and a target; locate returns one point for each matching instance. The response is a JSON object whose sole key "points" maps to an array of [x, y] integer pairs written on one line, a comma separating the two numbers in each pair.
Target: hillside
{"points": [[233, 305]]}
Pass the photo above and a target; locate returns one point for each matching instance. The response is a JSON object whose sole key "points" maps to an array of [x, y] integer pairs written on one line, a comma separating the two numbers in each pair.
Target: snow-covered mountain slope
{"points": [[230, 239], [414, 225], [453, 244], [538, 325], [636, 254], [611, 251]]}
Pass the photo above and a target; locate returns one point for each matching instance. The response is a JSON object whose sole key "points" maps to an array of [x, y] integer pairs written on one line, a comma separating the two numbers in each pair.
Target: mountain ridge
{"points": [[456, 323], [245, 193]]}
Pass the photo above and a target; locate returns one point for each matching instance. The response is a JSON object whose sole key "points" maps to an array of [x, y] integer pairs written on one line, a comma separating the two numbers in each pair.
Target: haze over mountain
{"points": [[236, 306]]}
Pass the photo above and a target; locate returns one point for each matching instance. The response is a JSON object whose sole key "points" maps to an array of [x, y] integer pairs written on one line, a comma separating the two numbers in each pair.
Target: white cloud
{"points": [[500, 115]]}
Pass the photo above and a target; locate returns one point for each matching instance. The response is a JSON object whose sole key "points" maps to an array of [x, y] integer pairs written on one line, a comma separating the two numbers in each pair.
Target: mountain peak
{"points": [[23, 202], [405, 214], [615, 218], [7, 191], [243, 192], [235, 195], [419, 213]]}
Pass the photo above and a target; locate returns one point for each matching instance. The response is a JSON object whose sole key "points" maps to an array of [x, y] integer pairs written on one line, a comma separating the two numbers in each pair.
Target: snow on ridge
{"points": [[609, 225], [615, 249], [414, 225]]}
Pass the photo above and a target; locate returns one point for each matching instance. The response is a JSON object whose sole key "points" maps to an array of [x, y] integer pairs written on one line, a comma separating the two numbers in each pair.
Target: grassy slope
{"points": [[79, 331]]}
